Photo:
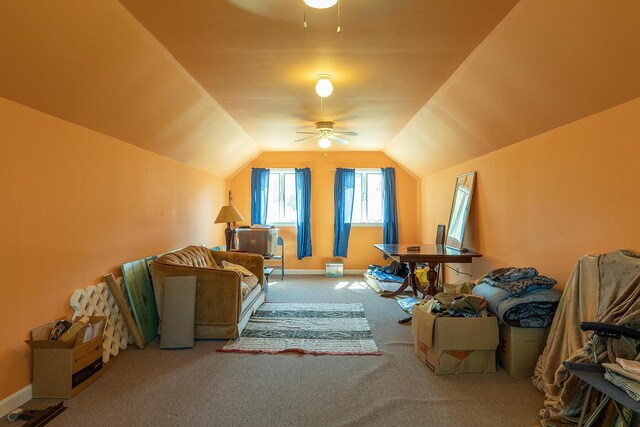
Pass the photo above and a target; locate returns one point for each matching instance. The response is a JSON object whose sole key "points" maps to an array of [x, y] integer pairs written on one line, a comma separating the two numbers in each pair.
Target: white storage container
{"points": [[261, 241], [334, 269]]}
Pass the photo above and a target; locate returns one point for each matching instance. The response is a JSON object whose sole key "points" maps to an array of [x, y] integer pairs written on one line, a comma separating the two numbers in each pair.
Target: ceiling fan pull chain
{"points": [[338, 29], [304, 15]]}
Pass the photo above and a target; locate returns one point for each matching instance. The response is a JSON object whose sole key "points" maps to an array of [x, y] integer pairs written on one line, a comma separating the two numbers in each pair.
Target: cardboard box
{"points": [[263, 241], [334, 269], [455, 345], [520, 348], [60, 371]]}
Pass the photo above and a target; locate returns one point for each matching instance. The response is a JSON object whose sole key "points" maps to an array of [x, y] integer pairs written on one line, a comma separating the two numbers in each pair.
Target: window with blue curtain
{"points": [[303, 208], [343, 192], [389, 209], [259, 195]]}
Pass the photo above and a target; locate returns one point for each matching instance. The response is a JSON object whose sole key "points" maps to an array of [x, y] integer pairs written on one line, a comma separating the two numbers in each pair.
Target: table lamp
{"points": [[229, 214]]}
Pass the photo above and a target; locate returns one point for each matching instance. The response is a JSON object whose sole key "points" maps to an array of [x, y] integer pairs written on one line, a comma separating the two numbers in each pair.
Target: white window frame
{"points": [[281, 196], [363, 197]]}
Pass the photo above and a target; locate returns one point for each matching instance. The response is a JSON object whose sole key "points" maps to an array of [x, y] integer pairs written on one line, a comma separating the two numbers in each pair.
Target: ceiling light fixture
{"points": [[320, 4], [324, 87], [324, 142]]}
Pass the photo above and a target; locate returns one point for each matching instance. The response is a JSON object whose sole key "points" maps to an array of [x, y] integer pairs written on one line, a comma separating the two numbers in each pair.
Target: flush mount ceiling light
{"points": [[324, 87], [320, 4], [324, 142]]}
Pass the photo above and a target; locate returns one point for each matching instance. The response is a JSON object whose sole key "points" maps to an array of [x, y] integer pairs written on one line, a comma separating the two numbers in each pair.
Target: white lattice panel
{"points": [[98, 301]]}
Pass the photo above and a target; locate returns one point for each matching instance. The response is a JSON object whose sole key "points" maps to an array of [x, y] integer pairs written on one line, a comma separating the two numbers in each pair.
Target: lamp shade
{"points": [[320, 4], [228, 214]]}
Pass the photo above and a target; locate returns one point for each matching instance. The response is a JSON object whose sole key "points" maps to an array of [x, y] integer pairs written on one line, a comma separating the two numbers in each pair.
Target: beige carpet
{"points": [[202, 387]]}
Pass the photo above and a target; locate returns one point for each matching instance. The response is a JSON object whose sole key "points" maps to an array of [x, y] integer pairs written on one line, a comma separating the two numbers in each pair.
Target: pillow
{"points": [[229, 266]]}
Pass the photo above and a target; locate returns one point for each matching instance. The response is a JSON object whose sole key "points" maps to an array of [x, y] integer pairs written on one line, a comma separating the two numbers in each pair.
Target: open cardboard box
{"points": [[60, 371], [455, 345]]}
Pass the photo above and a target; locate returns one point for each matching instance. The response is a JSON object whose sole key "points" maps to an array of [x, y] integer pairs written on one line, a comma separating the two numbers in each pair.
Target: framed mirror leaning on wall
{"points": [[460, 210]]}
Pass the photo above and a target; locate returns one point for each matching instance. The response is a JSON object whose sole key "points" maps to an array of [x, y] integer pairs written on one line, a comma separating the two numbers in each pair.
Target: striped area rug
{"points": [[334, 329]]}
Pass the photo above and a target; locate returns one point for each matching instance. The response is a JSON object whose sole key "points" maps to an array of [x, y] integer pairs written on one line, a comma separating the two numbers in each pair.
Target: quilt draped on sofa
{"points": [[601, 288]]}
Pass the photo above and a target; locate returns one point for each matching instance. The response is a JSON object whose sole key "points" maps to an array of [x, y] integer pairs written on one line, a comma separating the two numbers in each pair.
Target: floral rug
{"points": [[311, 328]]}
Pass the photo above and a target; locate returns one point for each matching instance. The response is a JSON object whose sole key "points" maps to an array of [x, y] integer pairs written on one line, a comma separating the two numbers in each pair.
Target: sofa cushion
{"points": [[249, 280]]}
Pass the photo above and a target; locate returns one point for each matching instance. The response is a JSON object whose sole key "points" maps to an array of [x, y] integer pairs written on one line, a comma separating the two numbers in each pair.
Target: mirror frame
{"points": [[450, 241]]}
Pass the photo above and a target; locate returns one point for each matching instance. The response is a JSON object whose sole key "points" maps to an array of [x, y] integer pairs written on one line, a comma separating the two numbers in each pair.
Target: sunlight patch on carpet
{"points": [[309, 328]]}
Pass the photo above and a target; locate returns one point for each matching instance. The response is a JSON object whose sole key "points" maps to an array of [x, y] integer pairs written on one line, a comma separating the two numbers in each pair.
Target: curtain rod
{"points": [[293, 167], [300, 167]]}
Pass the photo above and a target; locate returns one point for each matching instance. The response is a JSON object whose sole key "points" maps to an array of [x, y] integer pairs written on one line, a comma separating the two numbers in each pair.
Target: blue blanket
{"points": [[380, 274], [533, 309]]}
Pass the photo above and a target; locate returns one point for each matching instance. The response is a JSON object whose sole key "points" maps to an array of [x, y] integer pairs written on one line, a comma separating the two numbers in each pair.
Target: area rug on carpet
{"points": [[334, 329]]}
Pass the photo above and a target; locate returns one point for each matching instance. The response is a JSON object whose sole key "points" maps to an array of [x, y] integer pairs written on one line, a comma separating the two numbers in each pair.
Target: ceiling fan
{"points": [[324, 131]]}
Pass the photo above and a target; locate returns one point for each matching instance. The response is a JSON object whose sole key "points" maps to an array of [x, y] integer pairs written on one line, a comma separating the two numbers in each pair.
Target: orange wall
{"points": [[552, 198], [323, 164], [75, 205]]}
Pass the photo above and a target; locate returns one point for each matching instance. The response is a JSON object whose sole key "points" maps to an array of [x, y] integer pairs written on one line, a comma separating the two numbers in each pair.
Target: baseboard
{"points": [[16, 400], [320, 272]]}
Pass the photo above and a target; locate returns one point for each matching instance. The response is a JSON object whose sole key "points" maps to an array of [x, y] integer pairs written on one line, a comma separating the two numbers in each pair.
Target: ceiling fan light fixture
{"points": [[320, 4], [324, 142], [324, 87]]}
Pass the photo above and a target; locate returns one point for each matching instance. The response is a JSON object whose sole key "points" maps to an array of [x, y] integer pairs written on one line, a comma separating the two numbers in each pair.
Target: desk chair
{"points": [[279, 255]]}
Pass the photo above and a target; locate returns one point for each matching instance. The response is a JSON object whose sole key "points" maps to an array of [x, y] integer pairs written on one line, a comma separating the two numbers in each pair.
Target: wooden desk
{"points": [[432, 255]]}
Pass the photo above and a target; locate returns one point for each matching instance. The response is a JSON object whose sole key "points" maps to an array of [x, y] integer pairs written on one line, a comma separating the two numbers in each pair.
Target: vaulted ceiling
{"points": [[213, 83]]}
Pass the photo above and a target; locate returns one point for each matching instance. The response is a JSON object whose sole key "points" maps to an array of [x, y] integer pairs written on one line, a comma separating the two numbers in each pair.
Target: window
{"points": [[367, 203], [281, 206]]}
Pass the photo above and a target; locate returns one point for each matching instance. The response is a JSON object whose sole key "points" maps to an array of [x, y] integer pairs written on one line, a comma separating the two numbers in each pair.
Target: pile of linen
{"points": [[601, 288], [456, 305], [519, 296], [394, 272]]}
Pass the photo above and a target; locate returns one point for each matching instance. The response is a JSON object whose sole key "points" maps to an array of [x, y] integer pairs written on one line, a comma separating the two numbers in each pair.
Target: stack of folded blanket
{"points": [[519, 296]]}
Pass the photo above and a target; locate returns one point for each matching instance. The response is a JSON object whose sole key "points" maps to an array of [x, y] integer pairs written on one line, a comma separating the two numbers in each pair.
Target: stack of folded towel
{"points": [[625, 374], [519, 296]]}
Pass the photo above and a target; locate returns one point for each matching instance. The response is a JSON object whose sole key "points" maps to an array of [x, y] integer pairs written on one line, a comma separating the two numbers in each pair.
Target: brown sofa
{"points": [[224, 303]]}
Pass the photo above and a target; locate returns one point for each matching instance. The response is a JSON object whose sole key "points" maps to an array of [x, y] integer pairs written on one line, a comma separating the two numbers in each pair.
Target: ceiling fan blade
{"points": [[339, 140], [305, 138], [309, 133], [347, 133]]}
